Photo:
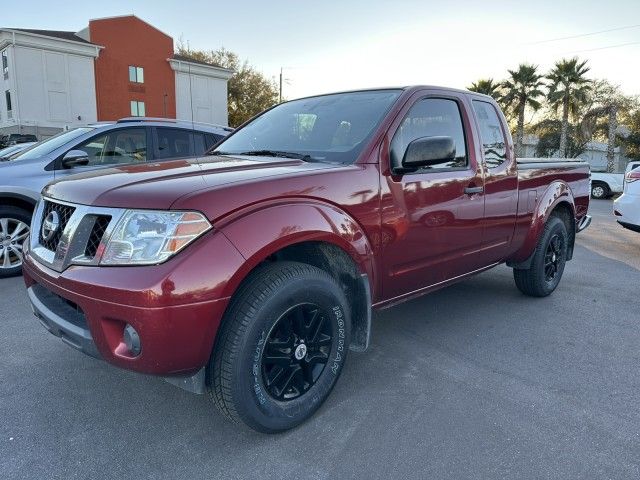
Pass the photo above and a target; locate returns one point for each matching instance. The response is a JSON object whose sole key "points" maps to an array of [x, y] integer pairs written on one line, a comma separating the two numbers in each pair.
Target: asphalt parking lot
{"points": [[474, 381]]}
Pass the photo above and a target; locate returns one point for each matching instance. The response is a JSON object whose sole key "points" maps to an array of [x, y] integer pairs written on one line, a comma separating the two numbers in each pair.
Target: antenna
{"points": [[193, 126], [282, 81]]}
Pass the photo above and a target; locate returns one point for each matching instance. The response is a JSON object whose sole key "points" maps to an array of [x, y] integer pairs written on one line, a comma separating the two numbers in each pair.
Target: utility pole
{"points": [[280, 85]]}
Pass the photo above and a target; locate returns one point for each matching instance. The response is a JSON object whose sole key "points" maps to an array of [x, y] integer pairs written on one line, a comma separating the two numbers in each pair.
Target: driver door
{"points": [[432, 218]]}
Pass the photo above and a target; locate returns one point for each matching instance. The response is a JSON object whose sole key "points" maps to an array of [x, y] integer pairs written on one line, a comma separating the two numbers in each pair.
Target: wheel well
{"points": [[22, 203], [565, 213], [339, 264]]}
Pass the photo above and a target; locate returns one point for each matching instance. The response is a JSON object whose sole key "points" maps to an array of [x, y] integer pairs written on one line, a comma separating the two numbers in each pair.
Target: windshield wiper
{"points": [[270, 153]]}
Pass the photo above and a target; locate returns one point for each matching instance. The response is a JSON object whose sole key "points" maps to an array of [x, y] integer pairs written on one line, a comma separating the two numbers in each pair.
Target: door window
{"points": [[431, 117], [493, 143], [116, 147], [174, 143]]}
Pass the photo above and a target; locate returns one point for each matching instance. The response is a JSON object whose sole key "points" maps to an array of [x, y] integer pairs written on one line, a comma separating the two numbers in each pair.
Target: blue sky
{"points": [[333, 45]]}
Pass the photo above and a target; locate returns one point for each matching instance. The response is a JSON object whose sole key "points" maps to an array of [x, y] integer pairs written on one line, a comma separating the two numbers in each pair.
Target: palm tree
{"points": [[568, 90], [521, 90], [486, 86], [607, 102]]}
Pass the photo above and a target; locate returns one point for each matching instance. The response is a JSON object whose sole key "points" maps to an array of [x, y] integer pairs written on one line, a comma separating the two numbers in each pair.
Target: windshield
{"points": [[331, 128], [47, 146]]}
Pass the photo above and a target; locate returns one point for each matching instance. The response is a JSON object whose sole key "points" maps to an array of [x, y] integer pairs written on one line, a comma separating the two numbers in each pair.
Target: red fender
{"points": [[260, 233]]}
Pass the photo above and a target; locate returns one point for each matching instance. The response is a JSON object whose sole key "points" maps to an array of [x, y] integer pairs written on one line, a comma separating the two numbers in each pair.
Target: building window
{"points": [[5, 64], [7, 95], [137, 109], [136, 74]]}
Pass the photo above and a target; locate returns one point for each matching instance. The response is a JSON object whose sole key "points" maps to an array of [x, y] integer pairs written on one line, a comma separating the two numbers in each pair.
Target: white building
{"points": [[201, 91], [47, 81]]}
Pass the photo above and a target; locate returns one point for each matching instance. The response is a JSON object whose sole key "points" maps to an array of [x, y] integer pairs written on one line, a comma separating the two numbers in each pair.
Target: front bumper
{"points": [[175, 307], [62, 319]]}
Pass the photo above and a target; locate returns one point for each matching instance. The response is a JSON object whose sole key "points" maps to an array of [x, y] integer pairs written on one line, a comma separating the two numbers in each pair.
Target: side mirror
{"points": [[426, 151], [75, 158]]}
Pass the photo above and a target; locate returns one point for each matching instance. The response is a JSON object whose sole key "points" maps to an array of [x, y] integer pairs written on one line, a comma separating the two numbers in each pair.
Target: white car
{"points": [[626, 208], [603, 185], [7, 152]]}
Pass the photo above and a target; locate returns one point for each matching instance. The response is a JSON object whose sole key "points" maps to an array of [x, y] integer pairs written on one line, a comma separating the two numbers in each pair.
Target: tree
{"points": [[548, 133], [607, 103], [568, 91], [487, 86], [631, 141], [249, 91], [521, 91]]}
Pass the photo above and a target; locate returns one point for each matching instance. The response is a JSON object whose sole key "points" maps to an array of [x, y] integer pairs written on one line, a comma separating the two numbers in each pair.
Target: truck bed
{"points": [[535, 175], [539, 176]]}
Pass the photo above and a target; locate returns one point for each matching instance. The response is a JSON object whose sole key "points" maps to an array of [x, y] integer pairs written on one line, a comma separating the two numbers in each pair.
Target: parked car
{"points": [[127, 141], [252, 272], [8, 152], [626, 208], [16, 138], [633, 164], [604, 185]]}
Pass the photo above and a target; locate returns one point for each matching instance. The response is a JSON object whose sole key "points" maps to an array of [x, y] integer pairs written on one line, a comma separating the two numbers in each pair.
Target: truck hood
{"points": [[160, 185]]}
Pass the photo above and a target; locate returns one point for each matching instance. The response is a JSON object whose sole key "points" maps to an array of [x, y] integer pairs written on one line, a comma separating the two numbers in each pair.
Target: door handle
{"points": [[473, 190]]}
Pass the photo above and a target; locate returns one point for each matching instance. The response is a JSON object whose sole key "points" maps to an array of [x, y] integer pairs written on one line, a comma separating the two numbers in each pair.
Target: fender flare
{"points": [[19, 193], [283, 224], [557, 192]]}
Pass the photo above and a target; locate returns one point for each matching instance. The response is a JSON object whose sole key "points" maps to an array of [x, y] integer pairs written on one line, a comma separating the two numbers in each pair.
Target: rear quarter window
{"points": [[491, 134]]}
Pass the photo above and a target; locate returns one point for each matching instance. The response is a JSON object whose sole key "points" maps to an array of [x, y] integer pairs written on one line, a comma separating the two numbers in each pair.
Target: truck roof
{"points": [[404, 88]]}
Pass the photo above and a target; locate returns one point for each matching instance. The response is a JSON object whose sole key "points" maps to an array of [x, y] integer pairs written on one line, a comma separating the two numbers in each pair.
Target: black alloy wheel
{"points": [[553, 257], [296, 352]]}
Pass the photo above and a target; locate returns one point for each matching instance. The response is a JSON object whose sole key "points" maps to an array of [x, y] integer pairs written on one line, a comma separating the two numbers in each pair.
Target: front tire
{"points": [[14, 229], [547, 265], [281, 347]]}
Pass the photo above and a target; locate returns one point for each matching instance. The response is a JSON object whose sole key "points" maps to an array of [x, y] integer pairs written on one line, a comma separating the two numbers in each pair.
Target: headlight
{"points": [[144, 237]]}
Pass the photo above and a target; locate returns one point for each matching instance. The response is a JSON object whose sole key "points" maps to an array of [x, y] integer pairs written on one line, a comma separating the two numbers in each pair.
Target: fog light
{"points": [[132, 340]]}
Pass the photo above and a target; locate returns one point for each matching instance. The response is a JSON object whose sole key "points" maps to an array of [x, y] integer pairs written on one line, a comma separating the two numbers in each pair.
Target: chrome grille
{"points": [[81, 236], [64, 212]]}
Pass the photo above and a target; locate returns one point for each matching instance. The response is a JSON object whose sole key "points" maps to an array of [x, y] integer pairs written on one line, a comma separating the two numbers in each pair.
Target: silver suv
{"points": [[127, 141]]}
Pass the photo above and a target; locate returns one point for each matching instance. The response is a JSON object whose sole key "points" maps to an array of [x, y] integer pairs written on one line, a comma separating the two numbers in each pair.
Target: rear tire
{"points": [[547, 265], [600, 190], [281, 347], [14, 229]]}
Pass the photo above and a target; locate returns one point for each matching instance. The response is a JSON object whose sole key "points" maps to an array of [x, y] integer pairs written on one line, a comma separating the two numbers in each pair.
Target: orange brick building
{"points": [[138, 74], [131, 42]]}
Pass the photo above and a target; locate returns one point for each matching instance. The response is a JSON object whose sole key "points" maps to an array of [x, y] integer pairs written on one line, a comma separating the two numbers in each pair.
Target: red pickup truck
{"points": [[251, 272]]}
